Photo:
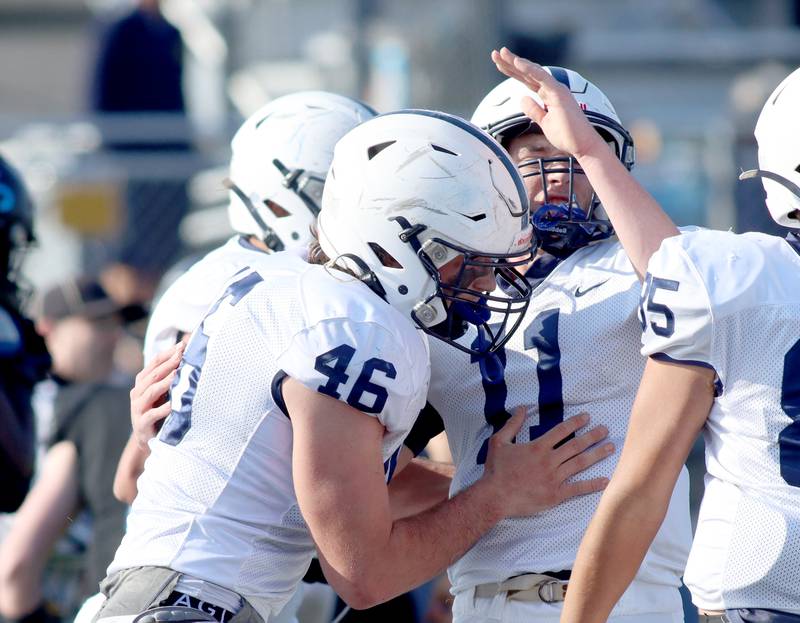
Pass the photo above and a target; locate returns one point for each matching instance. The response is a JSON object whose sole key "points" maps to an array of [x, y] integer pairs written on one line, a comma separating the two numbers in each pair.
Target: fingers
{"points": [[583, 487], [520, 68], [563, 430], [512, 426], [152, 395], [155, 415], [171, 363], [511, 71], [585, 459], [577, 445], [163, 363], [148, 424], [533, 110]]}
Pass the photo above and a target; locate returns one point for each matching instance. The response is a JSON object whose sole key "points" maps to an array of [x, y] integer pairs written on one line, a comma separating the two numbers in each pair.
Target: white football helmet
{"points": [[778, 135], [561, 228], [280, 157], [410, 191]]}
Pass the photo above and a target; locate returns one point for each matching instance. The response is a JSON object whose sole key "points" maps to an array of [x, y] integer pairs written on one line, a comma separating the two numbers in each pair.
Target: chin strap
{"points": [[462, 314], [364, 274], [775, 177], [268, 235]]}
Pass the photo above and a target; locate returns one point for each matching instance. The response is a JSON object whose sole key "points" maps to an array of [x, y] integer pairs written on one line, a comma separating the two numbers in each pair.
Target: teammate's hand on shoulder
{"points": [[561, 119], [532, 477], [149, 396]]}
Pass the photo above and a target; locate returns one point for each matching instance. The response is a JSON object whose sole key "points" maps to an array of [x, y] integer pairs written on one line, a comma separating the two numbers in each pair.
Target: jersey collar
{"points": [[793, 238], [541, 268]]}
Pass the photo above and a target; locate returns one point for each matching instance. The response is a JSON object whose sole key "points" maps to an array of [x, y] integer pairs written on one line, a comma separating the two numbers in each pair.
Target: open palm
{"points": [[561, 119]]}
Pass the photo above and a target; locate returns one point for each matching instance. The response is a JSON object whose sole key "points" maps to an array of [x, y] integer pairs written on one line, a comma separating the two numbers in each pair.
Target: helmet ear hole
{"points": [[385, 258], [278, 210]]}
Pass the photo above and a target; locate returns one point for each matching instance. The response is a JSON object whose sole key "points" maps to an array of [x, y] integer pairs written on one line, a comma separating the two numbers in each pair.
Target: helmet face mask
{"points": [[431, 206], [566, 219], [281, 155], [466, 305], [575, 218]]}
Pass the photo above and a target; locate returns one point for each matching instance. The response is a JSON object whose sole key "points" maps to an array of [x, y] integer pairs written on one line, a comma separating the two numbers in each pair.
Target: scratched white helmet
{"points": [[280, 157], [409, 192], [562, 227], [778, 135]]}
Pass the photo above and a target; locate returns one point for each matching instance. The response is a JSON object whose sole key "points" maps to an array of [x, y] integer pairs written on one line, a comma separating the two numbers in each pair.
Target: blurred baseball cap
{"points": [[85, 297]]}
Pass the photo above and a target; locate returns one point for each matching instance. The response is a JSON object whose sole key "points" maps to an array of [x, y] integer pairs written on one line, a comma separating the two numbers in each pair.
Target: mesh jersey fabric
{"points": [[735, 302], [577, 350], [216, 499]]}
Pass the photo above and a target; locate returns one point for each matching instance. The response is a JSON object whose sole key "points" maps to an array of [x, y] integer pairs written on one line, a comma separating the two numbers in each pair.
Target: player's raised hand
{"points": [[149, 403], [532, 477], [561, 119]]}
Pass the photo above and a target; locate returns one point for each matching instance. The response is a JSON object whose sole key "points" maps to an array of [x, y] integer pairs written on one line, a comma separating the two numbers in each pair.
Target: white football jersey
{"points": [[577, 350], [732, 303], [216, 499], [184, 304]]}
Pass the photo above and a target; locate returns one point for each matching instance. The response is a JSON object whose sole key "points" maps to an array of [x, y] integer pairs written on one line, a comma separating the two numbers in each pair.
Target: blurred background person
{"points": [[81, 325], [137, 93], [139, 63]]}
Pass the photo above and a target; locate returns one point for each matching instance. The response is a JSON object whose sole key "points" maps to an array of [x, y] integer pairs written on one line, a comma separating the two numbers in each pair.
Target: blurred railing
{"points": [[136, 189]]}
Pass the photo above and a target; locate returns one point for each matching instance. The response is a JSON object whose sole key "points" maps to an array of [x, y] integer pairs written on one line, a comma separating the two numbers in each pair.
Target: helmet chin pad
{"points": [[563, 229], [462, 314]]}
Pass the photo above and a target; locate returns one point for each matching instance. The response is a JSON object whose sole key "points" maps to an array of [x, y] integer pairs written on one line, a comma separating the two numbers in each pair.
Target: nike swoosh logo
{"points": [[578, 291]]}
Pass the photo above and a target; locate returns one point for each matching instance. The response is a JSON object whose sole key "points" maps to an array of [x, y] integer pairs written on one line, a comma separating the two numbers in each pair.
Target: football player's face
{"points": [[479, 278], [532, 146]]}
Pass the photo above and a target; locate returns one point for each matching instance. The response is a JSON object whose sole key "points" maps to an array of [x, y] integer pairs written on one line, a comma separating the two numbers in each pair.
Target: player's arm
{"points": [[418, 484], [129, 468], [149, 407], [670, 409], [638, 219], [39, 522], [367, 556], [674, 399]]}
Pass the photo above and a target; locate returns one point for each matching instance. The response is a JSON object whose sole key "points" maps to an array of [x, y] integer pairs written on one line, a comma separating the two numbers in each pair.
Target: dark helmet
{"points": [[16, 222]]}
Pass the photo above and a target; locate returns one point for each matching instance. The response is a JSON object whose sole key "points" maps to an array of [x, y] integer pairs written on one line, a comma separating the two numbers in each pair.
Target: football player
{"points": [[298, 387], [24, 360], [272, 207], [720, 315], [577, 351], [279, 158]]}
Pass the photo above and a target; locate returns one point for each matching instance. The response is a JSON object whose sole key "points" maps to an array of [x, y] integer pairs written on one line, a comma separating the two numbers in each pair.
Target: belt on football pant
{"points": [[537, 587]]}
